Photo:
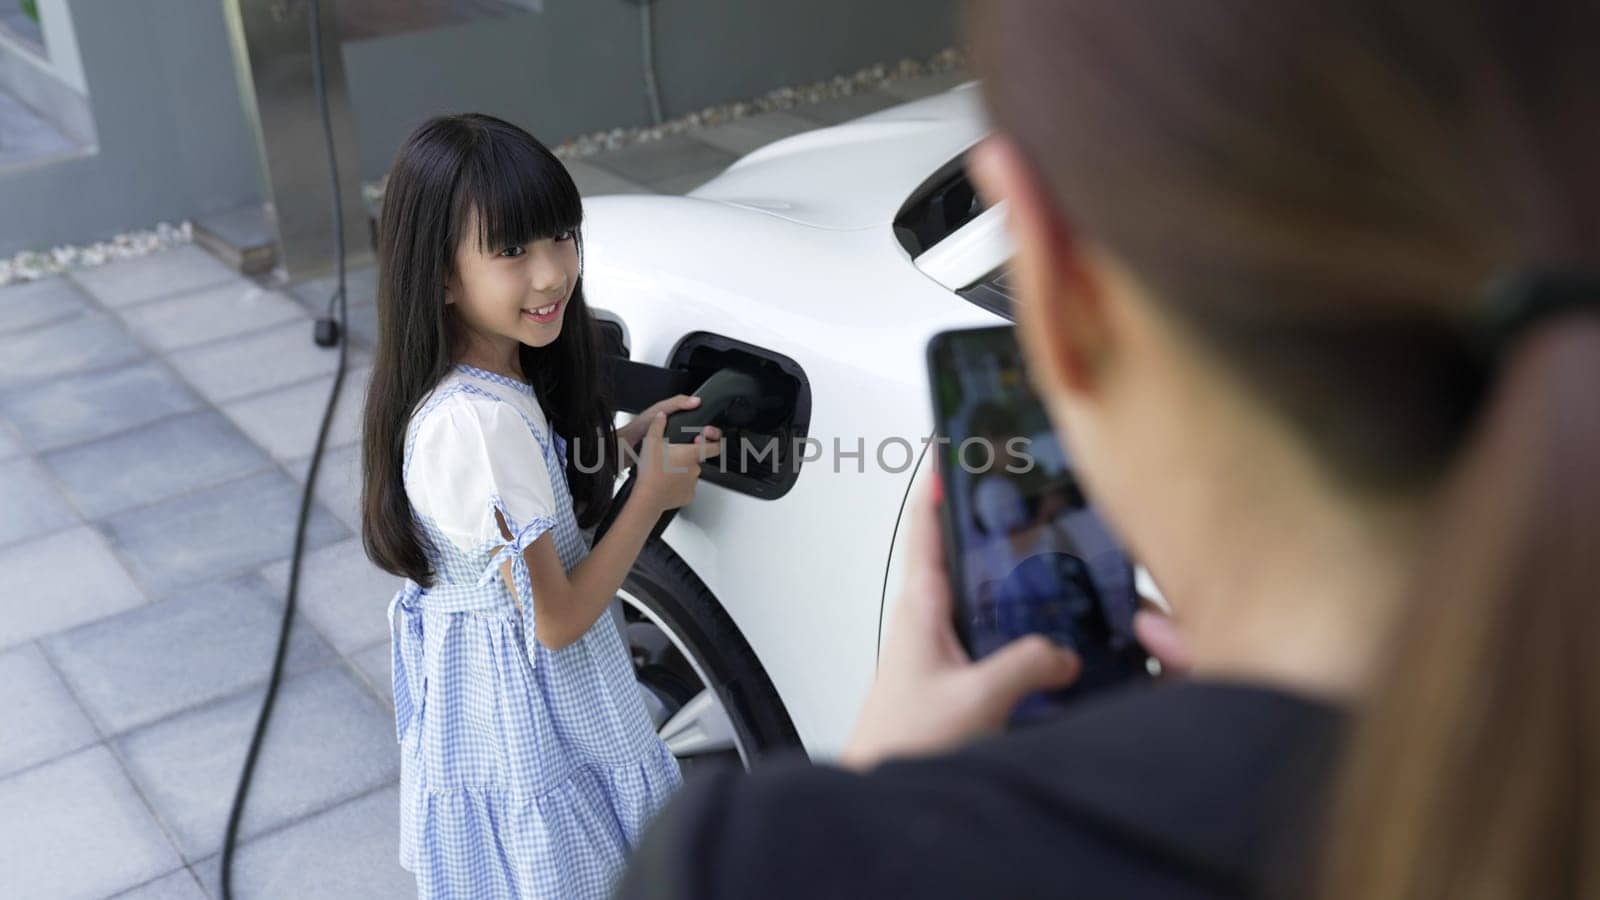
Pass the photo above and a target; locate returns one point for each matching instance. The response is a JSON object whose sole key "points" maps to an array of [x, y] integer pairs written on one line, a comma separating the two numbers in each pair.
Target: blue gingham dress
{"points": [[524, 772]]}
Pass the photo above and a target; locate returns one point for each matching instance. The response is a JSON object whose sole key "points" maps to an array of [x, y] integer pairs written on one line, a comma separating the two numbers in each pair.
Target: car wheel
{"points": [[706, 691]]}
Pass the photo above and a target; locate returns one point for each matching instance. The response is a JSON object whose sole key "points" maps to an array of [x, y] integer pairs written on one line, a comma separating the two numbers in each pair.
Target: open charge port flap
{"points": [[763, 431]]}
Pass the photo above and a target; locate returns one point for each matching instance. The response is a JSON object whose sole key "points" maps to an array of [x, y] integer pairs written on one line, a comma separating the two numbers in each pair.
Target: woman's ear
{"points": [[1061, 315]]}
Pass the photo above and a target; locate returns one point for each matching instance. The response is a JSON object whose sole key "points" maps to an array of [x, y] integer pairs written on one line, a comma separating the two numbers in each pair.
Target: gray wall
{"points": [[576, 68], [174, 145]]}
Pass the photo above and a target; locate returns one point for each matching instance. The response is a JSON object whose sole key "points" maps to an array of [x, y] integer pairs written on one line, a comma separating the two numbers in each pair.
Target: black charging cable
{"points": [[327, 333]]}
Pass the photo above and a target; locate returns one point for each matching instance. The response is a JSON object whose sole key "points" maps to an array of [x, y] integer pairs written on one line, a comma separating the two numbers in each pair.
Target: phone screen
{"points": [[1026, 551]]}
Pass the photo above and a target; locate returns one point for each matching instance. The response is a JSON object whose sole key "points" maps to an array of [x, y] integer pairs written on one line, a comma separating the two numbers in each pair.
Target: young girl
{"points": [[529, 765]]}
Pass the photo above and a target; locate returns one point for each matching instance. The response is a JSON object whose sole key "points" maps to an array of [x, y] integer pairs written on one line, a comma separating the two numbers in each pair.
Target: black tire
{"points": [[663, 583]]}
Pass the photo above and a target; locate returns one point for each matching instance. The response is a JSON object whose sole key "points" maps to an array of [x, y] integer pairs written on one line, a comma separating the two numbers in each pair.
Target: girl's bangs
{"points": [[521, 193]]}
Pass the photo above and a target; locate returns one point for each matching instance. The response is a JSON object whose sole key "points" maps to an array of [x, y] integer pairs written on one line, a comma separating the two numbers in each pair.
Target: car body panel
{"points": [[855, 175], [802, 576]]}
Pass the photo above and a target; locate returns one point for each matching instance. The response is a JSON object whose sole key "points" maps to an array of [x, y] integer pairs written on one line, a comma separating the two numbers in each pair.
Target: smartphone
{"points": [[1026, 551]]}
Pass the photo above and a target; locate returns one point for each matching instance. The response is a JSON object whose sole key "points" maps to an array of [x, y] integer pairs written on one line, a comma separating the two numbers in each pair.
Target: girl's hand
{"points": [[930, 696], [668, 472], [632, 433]]}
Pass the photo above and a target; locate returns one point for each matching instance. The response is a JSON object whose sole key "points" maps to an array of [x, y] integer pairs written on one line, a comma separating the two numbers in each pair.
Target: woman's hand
{"points": [[669, 472], [929, 696], [631, 434], [1161, 638]]}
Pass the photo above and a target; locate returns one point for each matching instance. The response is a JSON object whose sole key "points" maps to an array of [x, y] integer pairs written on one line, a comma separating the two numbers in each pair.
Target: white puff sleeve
{"points": [[472, 457]]}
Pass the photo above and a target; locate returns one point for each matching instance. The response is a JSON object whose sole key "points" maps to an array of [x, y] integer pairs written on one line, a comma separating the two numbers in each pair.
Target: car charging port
{"points": [[760, 400], [762, 404]]}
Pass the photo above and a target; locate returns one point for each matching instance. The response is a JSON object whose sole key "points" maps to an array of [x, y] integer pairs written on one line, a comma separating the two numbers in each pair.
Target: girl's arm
{"points": [[568, 603]]}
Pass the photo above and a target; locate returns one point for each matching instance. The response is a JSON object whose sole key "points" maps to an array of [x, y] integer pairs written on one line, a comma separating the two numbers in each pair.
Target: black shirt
{"points": [[1173, 791]]}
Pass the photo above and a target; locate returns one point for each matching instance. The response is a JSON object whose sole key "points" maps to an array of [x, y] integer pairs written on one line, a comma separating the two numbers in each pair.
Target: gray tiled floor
{"points": [[593, 180], [216, 531], [179, 885], [375, 664], [154, 277], [338, 483], [329, 577], [8, 443], [917, 88], [154, 462], [347, 852], [61, 580], [843, 109], [86, 834], [29, 504], [277, 420], [215, 639], [360, 286], [77, 408], [363, 325], [329, 741], [238, 367], [669, 158], [78, 344], [42, 720], [234, 307], [751, 133], [38, 302], [155, 421]]}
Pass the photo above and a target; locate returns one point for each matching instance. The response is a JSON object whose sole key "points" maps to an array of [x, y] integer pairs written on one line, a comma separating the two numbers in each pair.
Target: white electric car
{"points": [[819, 265]]}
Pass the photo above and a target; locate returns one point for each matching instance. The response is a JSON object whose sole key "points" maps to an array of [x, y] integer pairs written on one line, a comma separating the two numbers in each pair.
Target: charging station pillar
{"points": [[271, 42]]}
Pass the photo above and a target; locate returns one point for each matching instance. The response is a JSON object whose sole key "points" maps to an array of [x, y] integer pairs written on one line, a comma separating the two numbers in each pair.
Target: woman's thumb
{"points": [[1162, 639], [1028, 664]]}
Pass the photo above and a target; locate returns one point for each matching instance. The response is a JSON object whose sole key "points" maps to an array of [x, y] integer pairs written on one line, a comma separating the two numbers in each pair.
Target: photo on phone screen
{"points": [[1026, 552]]}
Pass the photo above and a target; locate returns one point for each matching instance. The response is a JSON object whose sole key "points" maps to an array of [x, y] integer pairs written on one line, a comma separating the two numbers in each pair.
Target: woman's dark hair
{"points": [[449, 169], [1320, 190]]}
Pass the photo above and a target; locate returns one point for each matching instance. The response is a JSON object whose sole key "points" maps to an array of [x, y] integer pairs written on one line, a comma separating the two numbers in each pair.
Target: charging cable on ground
{"points": [[329, 332]]}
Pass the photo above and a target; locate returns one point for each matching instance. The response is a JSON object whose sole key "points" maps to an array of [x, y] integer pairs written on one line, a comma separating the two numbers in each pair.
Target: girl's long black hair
{"points": [[447, 168]]}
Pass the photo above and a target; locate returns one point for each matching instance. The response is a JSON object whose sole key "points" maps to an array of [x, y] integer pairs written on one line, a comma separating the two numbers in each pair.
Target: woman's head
{"points": [[479, 239], [1311, 200], [1254, 242]]}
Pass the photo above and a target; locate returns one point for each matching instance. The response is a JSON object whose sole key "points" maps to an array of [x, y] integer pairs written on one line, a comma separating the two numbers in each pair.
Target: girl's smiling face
{"points": [[504, 296]]}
